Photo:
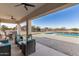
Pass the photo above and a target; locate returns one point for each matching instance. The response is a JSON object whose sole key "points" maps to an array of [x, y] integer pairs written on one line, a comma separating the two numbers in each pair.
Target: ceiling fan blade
{"points": [[27, 4], [25, 7], [18, 5]]}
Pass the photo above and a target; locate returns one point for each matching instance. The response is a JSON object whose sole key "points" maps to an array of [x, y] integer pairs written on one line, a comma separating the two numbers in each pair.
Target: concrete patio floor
{"points": [[15, 51], [41, 50]]}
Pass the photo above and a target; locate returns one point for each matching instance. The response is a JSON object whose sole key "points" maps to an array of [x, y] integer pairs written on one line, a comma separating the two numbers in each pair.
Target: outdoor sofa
{"points": [[5, 48]]}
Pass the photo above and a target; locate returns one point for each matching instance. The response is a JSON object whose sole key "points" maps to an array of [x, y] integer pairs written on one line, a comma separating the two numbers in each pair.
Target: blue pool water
{"points": [[66, 34], [69, 34]]}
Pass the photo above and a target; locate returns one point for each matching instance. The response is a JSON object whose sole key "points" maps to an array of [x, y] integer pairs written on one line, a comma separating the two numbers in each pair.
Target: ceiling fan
{"points": [[25, 5], [12, 18]]}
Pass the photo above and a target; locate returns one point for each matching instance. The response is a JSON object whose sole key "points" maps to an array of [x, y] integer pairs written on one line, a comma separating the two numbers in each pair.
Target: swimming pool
{"points": [[66, 34], [70, 34]]}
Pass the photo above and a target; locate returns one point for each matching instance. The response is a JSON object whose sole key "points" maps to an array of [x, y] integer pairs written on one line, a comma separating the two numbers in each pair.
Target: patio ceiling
{"points": [[8, 9], [20, 14]]}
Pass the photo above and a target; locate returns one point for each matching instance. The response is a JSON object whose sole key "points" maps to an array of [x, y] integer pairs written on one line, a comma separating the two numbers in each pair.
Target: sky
{"points": [[68, 18]]}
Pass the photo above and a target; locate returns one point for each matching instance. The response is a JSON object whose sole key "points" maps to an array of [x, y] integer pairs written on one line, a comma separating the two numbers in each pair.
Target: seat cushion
{"points": [[4, 41]]}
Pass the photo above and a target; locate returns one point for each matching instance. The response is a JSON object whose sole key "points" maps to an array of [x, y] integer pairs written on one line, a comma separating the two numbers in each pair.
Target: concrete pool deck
{"points": [[59, 37], [67, 45]]}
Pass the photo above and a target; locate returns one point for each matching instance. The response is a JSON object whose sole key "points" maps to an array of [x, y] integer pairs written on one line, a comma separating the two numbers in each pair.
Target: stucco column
{"points": [[28, 28], [18, 29]]}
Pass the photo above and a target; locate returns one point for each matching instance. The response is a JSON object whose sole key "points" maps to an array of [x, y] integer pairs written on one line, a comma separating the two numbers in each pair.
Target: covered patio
{"points": [[17, 15]]}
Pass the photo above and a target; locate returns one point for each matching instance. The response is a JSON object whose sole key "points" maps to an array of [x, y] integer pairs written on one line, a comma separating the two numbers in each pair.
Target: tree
{"points": [[33, 28], [3, 28], [38, 28], [75, 29], [14, 28]]}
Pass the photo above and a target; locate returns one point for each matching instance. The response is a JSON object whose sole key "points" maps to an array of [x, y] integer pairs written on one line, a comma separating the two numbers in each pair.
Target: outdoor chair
{"points": [[18, 38], [29, 47]]}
